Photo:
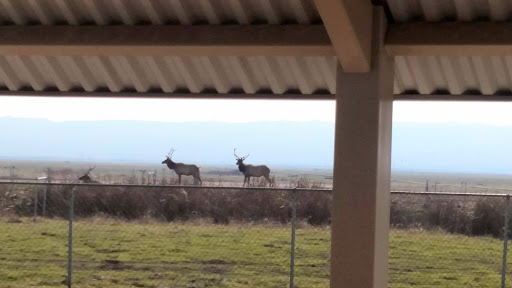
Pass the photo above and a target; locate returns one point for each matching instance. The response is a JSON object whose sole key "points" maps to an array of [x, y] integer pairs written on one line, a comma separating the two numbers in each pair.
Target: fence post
{"points": [[505, 242], [292, 247], [49, 180], [44, 200], [35, 202], [70, 234]]}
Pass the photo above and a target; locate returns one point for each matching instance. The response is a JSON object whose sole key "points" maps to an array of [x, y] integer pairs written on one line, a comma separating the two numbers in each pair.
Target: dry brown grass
{"points": [[460, 215], [219, 206]]}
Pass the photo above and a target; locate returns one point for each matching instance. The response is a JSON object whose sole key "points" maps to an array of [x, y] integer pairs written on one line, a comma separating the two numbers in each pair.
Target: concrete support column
{"points": [[362, 164]]}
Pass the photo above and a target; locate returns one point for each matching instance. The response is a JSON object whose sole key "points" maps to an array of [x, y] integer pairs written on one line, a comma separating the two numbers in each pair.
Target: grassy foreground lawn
{"points": [[109, 253]]}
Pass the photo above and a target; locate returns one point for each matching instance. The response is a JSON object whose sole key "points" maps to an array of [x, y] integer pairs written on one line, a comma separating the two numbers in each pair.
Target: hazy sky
{"points": [[178, 110], [166, 110]]}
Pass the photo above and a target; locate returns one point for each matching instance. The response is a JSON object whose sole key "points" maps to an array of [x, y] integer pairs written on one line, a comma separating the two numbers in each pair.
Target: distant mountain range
{"points": [[285, 144], [416, 146], [452, 147]]}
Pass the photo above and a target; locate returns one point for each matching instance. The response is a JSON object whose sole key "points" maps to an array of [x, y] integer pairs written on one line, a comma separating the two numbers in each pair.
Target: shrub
{"points": [[462, 215]]}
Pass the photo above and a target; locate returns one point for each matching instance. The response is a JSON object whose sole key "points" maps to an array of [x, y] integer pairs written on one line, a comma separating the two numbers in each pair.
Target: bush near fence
{"points": [[470, 216], [172, 204]]}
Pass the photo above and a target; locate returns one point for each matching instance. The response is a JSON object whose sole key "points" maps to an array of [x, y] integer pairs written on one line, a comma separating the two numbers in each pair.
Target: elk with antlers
{"points": [[251, 170], [86, 178], [182, 169]]}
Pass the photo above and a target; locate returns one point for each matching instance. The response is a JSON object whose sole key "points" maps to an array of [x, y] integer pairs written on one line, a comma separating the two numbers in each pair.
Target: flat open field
{"points": [[68, 171], [112, 253]]}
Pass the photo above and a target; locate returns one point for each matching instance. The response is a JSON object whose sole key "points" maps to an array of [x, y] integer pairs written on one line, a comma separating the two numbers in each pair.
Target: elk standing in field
{"points": [[182, 169], [86, 178], [251, 170]]}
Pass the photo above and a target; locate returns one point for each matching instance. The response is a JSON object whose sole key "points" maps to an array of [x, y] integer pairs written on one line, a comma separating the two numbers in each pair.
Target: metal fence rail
{"points": [[300, 207]]}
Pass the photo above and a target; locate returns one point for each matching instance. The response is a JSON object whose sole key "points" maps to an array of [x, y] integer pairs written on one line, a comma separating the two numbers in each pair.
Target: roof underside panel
{"points": [[269, 75], [450, 10], [156, 12], [453, 75]]}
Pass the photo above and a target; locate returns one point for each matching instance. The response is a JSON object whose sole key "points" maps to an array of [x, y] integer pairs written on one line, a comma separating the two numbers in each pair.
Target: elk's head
{"points": [[239, 160], [86, 177], [168, 158]]}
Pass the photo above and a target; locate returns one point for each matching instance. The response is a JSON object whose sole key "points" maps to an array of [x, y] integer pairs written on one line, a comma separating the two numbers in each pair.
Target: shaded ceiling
{"points": [[230, 74]]}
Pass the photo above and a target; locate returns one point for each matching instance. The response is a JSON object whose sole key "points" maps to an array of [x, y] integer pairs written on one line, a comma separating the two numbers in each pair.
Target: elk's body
{"points": [[183, 169], [87, 179], [252, 170]]}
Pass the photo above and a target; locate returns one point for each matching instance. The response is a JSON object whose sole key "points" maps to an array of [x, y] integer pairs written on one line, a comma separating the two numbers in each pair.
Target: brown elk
{"points": [[251, 170], [182, 168], [86, 178]]}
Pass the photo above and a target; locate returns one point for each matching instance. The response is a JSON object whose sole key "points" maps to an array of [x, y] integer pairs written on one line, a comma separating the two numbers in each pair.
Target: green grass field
{"points": [[109, 253]]}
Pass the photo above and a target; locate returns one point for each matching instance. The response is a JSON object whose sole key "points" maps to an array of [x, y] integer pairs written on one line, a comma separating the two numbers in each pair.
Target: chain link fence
{"points": [[169, 236], [449, 240]]}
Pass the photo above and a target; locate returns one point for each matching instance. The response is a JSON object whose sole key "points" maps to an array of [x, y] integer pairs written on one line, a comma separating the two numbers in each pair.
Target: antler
{"points": [[239, 158], [90, 169], [170, 153]]}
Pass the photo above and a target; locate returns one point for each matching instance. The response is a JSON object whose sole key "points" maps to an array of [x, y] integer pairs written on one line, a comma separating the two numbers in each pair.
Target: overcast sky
{"points": [[178, 110]]}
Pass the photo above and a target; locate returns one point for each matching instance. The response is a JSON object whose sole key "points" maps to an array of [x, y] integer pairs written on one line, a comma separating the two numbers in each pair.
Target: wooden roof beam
{"points": [[450, 39], [201, 40], [145, 95], [349, 25]]}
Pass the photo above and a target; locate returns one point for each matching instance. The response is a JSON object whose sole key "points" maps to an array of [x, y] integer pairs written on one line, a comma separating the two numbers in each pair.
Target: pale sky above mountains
{"points": [[240, 111], [441, 136]]}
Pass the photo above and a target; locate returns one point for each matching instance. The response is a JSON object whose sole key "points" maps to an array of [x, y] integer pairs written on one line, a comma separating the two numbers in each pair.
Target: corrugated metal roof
{"points": [[275, 75], [157, 12], [453, 75], [450, 10], [270, 75]]}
